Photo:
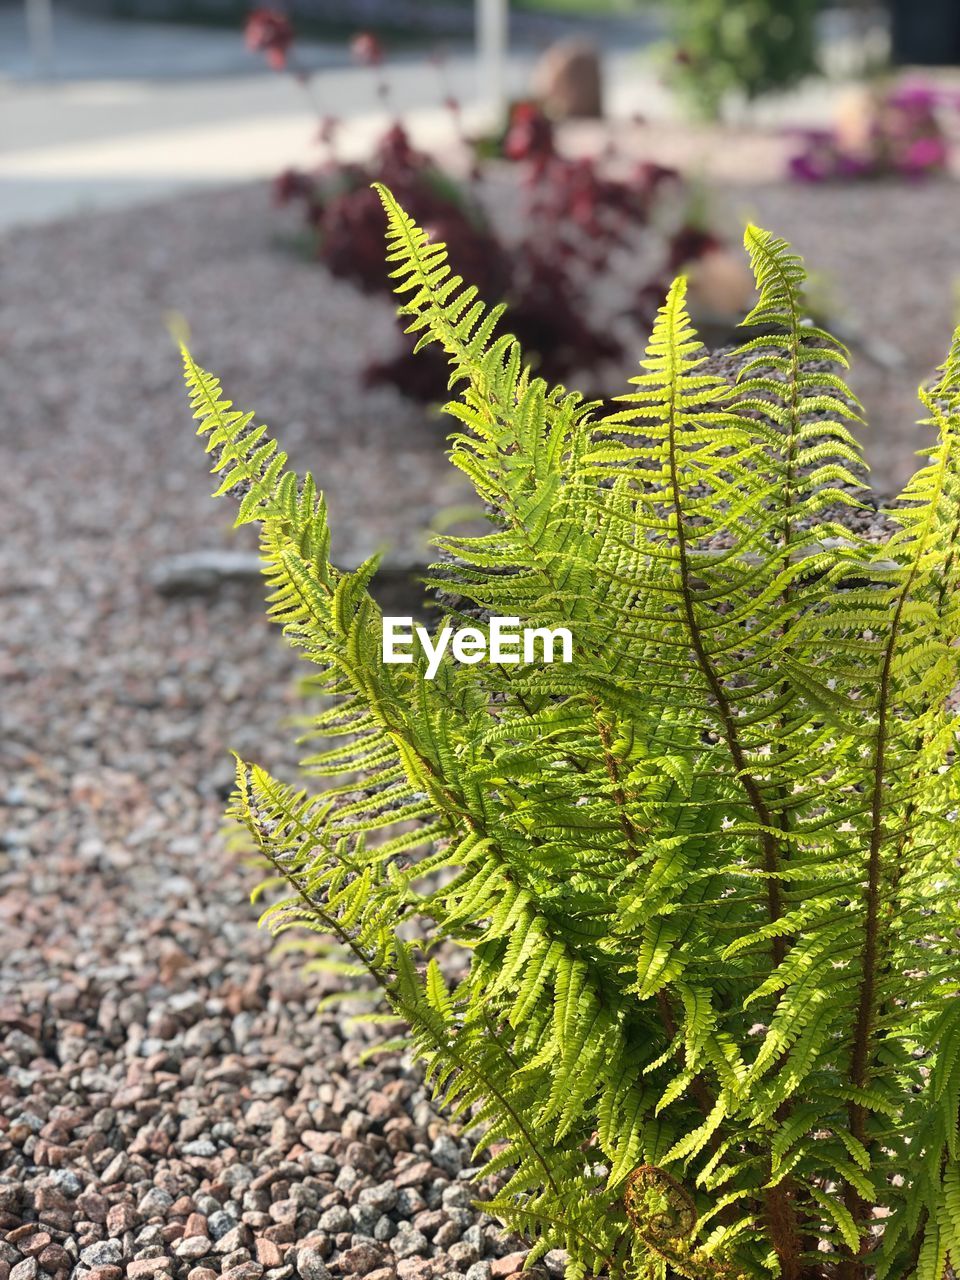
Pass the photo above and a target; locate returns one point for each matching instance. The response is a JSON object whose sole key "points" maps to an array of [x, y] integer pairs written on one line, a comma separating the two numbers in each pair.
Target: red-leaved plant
{"points": [[578, 223]]}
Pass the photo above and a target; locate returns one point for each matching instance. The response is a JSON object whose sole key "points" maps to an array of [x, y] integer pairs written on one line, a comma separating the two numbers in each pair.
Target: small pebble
{"points": [[311, 1266], [103, 1253], [243, 1271], [192, 1247]]}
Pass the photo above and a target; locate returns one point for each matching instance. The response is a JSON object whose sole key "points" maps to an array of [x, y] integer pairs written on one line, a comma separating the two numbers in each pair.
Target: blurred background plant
{"points": [[741, 48], [882, 131], [576, 221]]}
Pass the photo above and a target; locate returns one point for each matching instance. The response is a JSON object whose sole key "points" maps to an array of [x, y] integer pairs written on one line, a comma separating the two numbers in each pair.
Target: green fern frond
{"points": [[704, 877]]}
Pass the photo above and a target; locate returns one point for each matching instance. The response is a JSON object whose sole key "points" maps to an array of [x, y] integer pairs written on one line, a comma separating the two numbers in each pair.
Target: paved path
{"points": [[139, 111], [111, 143]]}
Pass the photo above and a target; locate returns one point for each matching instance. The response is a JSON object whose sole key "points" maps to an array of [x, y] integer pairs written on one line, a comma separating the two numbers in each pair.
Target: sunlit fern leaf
{"points": [[703, 880]]}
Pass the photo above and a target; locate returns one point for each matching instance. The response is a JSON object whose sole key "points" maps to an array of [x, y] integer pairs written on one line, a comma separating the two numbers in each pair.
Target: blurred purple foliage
{"points": [[900, 133], [573, 217]]}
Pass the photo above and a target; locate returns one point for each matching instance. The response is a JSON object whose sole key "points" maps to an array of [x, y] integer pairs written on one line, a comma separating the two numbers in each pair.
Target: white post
{"points": [[492, 39], [39, 15]]}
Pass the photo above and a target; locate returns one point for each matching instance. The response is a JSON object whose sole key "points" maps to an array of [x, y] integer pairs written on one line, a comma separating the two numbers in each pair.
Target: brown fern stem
{"points": [[866, 1007], [619, 795], [779, 1207], [781, 1217], [768, 842]]}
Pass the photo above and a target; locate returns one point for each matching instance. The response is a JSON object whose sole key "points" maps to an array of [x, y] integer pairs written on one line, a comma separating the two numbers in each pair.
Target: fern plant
{"points": [[706, 873]]}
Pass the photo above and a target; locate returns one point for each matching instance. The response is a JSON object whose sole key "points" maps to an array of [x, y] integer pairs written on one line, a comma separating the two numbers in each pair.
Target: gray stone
{"points": [[310, 1265], [66, 1181], [193, 1247], [105, 1253], [447, 1155], [409, 1202], [152, 1233], [203, 1037], [347, 1178], [499, 1242], [457, 1196], [365, 1217], [256, 1200], [153, 1253], [474, 1235], [304, 1195], [156, 1201], [203, 571], [463, 1255], [10, 1197], [385, 1228], [382, 1198], [409, 1241], [236, 1238], [336, 1220], [200, 1147], [219, 1223]]}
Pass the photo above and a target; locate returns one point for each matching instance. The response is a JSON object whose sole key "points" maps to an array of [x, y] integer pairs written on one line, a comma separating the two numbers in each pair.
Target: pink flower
{"points": [[924, 155], [914, 97]]}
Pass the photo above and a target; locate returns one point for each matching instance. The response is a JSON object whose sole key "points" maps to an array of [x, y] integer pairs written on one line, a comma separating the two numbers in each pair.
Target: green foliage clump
{"points": [[745, 47], [707, 872]]}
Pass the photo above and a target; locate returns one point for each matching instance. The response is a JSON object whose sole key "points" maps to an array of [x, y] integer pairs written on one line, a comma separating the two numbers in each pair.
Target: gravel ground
{"points": [[170, 1105]]}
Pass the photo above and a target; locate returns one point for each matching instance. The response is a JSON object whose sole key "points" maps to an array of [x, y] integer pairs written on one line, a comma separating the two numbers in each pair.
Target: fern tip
{"points": [[175, 323]]}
